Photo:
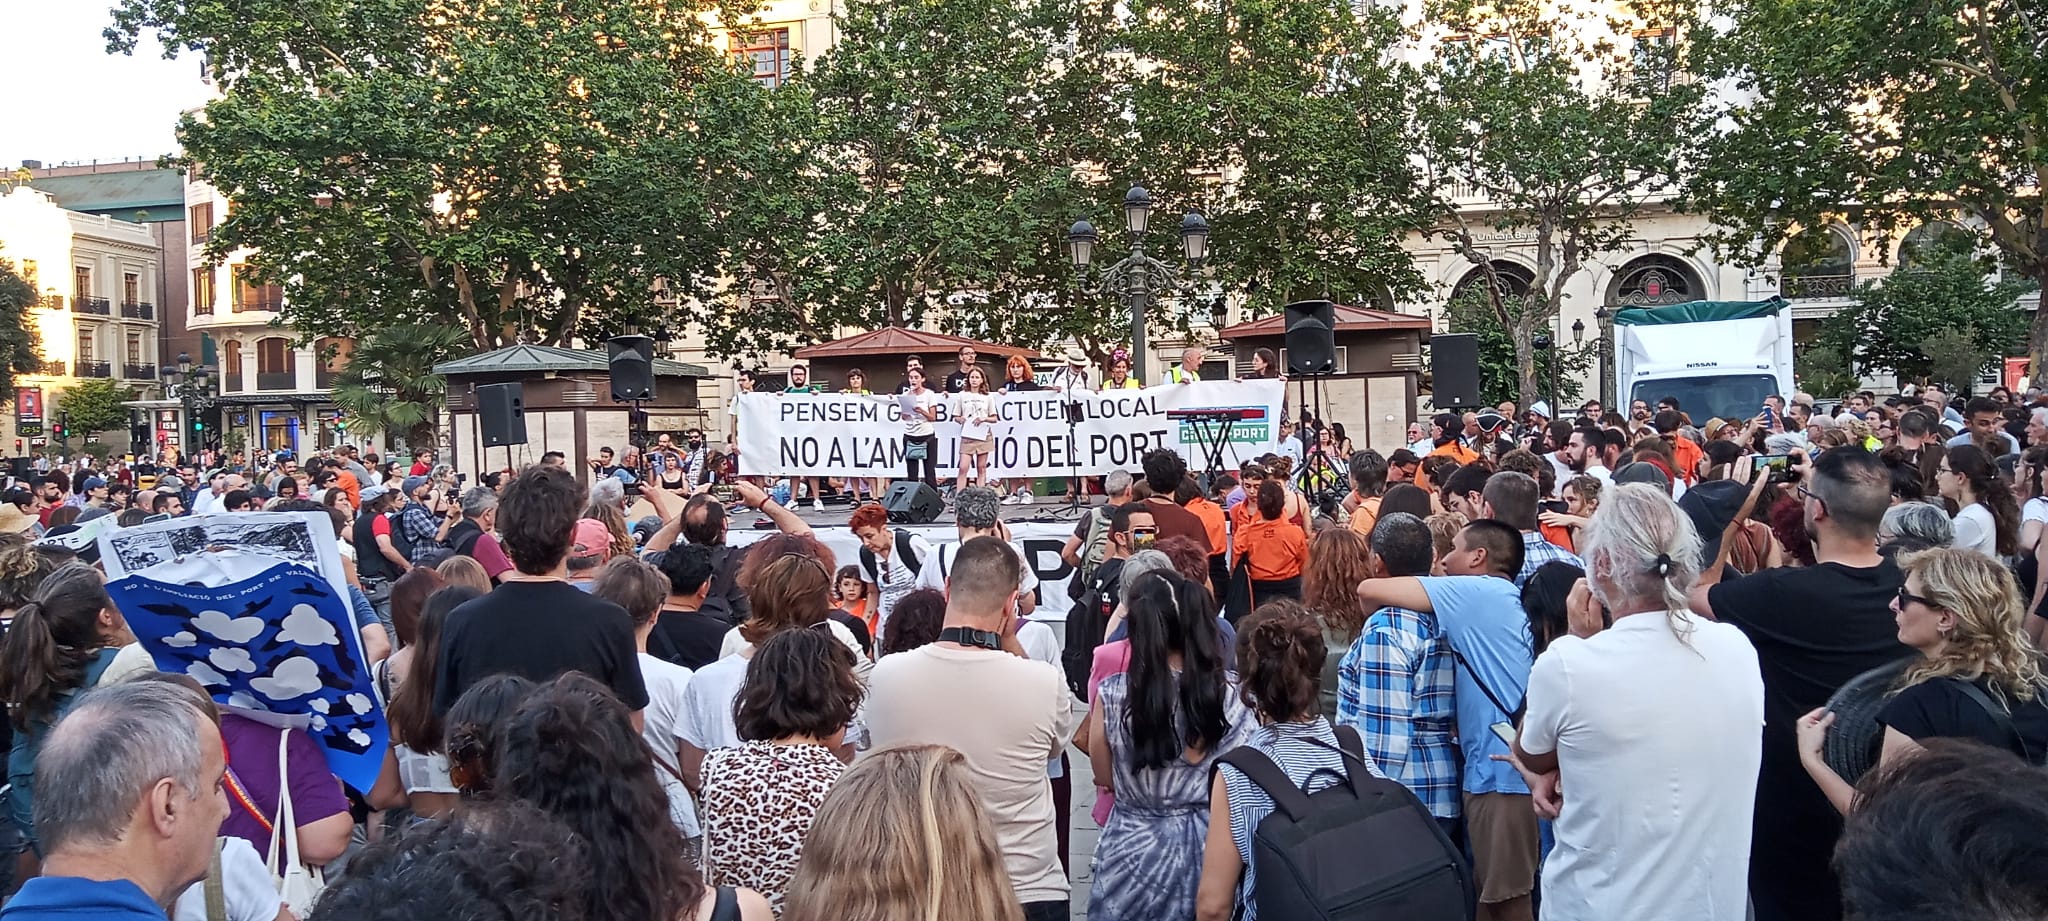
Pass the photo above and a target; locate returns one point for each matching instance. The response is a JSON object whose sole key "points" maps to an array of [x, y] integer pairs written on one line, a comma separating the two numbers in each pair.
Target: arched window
{"points": [[1654, 280], [1818, 263], [274, 365], [1926, 243], [1515, 280], [231, 365]]}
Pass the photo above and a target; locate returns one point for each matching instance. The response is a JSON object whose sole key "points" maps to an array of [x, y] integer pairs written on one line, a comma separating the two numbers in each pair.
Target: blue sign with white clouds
{"points": [[281, 642]]}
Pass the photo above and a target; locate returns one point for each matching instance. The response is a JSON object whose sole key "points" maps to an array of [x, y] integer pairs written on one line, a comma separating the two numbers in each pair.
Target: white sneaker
{"points": [[1024, 497], [1012, 499], [817, 505]]}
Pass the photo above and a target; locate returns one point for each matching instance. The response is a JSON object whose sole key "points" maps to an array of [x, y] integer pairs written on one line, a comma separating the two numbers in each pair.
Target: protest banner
{"points": [[1038, 541], [846, 435]]}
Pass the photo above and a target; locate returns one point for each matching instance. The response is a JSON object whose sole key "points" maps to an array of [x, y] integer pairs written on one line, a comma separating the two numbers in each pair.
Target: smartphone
{"points": [[160, 516], [1770, 417], [1778, 467], [1504, 731]]}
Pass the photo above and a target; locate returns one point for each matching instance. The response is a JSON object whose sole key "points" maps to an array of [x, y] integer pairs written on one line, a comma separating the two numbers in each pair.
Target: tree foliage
{"points": [[18, 340], [1887, 113], [95, 405], [528, 168], [1894, 321], [1565, 124], [390, 385]]}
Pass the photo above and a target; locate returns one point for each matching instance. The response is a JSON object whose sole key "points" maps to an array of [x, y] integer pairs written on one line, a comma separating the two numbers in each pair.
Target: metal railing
{"points": [[266, 304], [52, 302], [138, 310], [202, 307], [1817, 287], [231, 383], [95, 369], [276, 380], [93, 305], [53, 368], [139, 372]]}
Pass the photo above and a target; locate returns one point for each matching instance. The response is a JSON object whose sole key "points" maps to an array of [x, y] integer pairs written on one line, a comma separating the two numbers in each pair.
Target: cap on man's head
{"points": [[1076, 358], [372, 493], [1642, 472], [592, 539], [1540, 408], [412, 485], [1491, 421]]}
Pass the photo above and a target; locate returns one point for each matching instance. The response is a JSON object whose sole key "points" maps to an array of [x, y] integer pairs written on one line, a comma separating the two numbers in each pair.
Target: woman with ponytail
{"points": [[1653, 723], [68, 638], [1154, 732], [1987, 517]]}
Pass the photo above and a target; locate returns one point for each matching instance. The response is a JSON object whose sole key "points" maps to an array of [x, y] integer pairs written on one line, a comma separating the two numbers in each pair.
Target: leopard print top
{"points": [[759, 802]]}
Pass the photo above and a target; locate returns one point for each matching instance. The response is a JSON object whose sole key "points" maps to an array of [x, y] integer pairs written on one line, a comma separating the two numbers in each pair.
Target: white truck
{"points": [[1717, 358]]}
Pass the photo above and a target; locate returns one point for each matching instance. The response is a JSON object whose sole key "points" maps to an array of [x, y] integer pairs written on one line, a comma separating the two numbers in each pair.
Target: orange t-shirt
{"points": [[1213, 521], [1272, 550], [1366, 515], [1688, 456], [348, 484], [1456, 451], [1557, 535]]}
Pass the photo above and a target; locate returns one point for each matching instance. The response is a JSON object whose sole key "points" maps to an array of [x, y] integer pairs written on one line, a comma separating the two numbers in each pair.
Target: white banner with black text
{"points": [[1045, 433], [1038, 541]]}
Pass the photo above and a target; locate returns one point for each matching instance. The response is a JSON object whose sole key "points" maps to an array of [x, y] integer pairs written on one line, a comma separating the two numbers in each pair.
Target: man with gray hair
{"points": [[977, 513], [1084, 550], [1910, 527], [1396, 685], [1660, 808], [133, 822], [470, 535]]}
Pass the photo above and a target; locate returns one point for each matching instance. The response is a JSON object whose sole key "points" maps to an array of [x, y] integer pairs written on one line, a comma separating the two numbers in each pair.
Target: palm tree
{"points": [[390, 384]]}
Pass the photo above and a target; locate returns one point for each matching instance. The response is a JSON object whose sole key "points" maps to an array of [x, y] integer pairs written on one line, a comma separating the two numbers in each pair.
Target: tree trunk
{"points": [[2037, 331], [1524, 331]]}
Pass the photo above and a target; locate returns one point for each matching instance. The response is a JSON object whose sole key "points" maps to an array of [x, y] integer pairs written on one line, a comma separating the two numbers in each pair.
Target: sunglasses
{"points": [[1906, 598]]}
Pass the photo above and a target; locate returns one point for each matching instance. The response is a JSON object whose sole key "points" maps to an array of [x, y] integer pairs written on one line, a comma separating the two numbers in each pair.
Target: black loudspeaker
{"points": [[632, 360], [1311, 338], [1454, 370], [912, 502], [501, 408]]}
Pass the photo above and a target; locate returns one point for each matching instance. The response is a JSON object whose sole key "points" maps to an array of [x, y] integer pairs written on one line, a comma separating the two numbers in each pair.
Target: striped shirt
{"points": [[1312, 767], [1397, 687]]}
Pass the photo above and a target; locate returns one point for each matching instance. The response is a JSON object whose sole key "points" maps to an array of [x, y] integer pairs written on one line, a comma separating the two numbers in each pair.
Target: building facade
{"points": [[97, 317], [272, 384]]}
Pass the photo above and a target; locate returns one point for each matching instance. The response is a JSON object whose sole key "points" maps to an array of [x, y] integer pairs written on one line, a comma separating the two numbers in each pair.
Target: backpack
{"points": [[1087, 622], [463, 536], [400, 541], [1092, 550], [905, 554], [1362, 850]]}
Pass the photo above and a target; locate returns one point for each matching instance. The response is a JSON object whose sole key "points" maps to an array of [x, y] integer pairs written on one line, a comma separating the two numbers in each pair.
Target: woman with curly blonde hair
{"points": [[902, 836], [1977, 676]]}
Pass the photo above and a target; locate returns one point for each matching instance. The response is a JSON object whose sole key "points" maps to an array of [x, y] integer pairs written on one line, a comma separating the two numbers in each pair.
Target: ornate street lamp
{"points": [[1138, 278]]}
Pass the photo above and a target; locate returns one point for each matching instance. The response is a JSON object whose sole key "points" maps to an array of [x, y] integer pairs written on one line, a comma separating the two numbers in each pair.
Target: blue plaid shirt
{"points": [[1536, 551], [1397, 688], [420, 525]]}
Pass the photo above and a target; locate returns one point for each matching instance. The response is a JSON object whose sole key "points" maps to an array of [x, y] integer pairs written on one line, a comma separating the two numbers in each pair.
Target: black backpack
{"points": [[1363, 850], [905, 554], [1087, 621]]}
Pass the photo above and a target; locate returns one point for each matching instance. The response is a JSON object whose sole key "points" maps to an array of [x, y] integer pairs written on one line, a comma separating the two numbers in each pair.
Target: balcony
{"points": [[52, 302], [324, 378], [95, 369], [52, 368], [98, 306], [231, 383], [136, 372], [202, 307], [138, 310], [1817, 287], [269, 304], [276, 380]]}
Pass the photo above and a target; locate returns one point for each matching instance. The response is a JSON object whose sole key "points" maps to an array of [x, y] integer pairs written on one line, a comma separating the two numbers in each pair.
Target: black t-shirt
{"points": [[1941, 709], [538, 630], [1020, 386], [956, 381], [858, 627], [690, 639], [1814, 629]]}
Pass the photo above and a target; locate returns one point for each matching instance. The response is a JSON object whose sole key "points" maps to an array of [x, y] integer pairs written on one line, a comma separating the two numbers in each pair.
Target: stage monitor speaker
{"points": [[912, 502], [632, 368], [1454, 370], [1311, 338], [501, 411]]}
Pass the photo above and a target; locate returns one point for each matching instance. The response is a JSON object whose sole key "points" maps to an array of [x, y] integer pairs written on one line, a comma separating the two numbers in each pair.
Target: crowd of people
{"points": [[1614, 667]]}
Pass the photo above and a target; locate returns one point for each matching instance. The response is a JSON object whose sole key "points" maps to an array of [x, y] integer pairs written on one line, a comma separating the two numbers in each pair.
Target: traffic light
{"points": [[199, 425]]}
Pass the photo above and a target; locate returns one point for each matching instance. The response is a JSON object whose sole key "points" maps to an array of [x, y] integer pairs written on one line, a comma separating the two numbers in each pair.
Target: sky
{"points": [[67, 99]]}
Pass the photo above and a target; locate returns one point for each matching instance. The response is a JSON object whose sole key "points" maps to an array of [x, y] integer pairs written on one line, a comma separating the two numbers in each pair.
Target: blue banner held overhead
{"points": [[281, 642]]}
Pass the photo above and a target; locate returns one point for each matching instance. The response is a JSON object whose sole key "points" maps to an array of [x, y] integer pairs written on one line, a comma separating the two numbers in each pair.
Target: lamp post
{"points": [[193, 388], [1605, 318], [1138, 278], [1578, 341]]}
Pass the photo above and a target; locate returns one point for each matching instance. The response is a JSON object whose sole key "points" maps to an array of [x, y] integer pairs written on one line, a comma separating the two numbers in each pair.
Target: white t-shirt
{"points": [[246, 887], [707, 704], [1007, 716], [2036, 509], [734, 644], [894, 579], [915, 423], [1658, 743], [1977, 530], [973, 410], [667, 684]]}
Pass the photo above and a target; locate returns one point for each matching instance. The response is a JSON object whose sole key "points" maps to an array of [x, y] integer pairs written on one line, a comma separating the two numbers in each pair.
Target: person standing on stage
{"points": [[1017, 379], [1189, 371], [957, 381], [920, 440], [1120, 377], [977, 411]]}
